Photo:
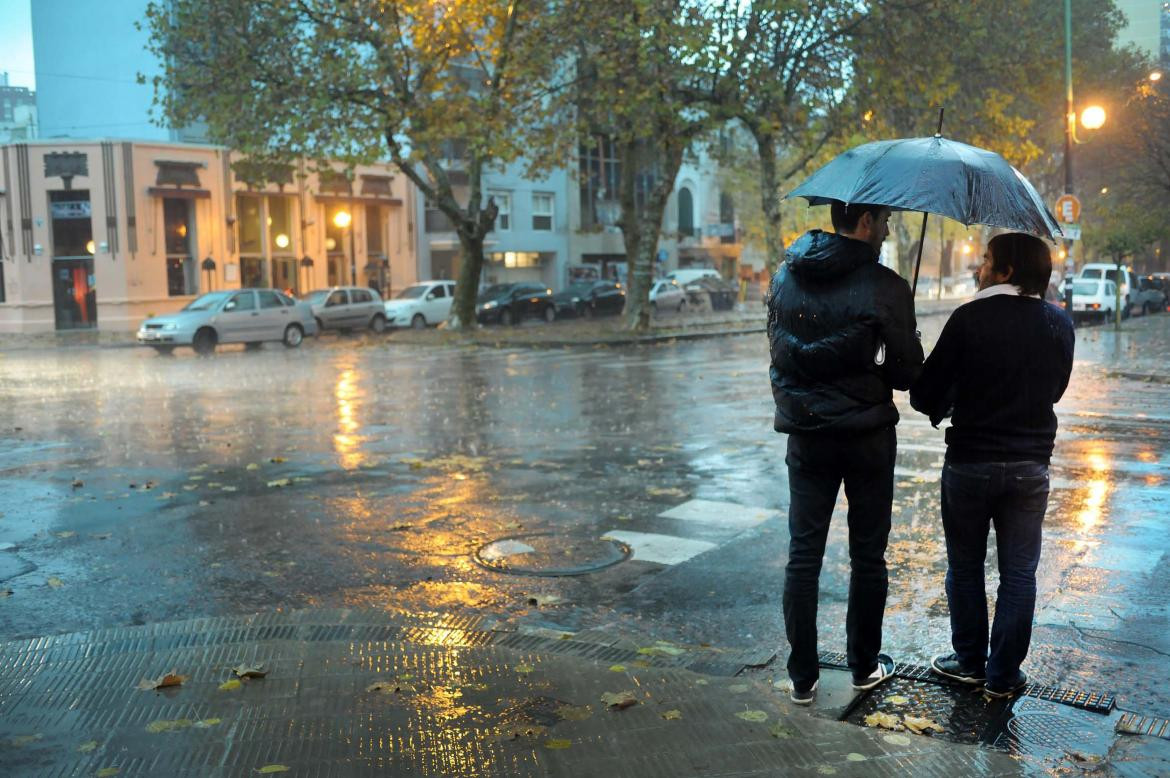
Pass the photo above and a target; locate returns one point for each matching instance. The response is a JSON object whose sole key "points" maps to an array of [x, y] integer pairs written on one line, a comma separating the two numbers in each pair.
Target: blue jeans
{"points": [[817, 466], [1013, 496]]}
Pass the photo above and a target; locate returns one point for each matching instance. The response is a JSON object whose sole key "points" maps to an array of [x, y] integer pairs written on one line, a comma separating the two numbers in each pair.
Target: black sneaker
{"points": [[884, 669], [805, 697], [997, 693], [948, 667]]}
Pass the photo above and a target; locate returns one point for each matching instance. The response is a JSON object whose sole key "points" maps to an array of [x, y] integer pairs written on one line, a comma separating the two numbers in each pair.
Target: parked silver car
{"points": [[250, 316], [347, 308]]}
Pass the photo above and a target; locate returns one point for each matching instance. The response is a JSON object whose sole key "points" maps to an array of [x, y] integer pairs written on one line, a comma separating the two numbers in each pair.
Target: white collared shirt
{"points": [[1009, 289]]}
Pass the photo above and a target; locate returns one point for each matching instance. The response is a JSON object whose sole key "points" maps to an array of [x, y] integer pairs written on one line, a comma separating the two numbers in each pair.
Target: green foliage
{"points": [[434, 87]]}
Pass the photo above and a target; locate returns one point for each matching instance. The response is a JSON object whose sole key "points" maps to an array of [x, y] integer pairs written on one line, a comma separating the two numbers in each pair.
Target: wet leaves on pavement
{"points": [[524, 669], [920, 724], [230, 686], [87, 746], [278, 483], [672, 715], [54, 582], [670, 491], [269, 769], [781, 731], [883, 721], [756, 716], [619, 700], [106, 772], [164, 681], [541, 600], [617, 668], [557, 744], [573, 712], [249, 671]]}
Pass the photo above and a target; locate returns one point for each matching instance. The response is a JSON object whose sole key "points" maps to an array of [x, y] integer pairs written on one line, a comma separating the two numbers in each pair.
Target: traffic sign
{"points": [[1068, 209], [1071, 231]]}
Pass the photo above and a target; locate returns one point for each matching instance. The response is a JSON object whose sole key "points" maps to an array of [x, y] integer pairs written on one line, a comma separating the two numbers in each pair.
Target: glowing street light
{"points": [[342, 219], [1093, 117], [281, 241], [1156, 76]]}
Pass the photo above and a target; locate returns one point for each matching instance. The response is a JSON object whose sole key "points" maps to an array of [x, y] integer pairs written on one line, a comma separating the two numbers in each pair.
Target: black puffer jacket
{"points": [[842, 334]]}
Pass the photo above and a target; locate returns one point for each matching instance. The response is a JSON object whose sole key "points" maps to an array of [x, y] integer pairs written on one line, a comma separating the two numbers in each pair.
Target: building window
{"points": [[377, 260], [250, 218], [517, 259], [338, 232], [599, 179], [504, 214], [72, 225], [542, 211], [265, 225], [281, 250], [182, 274], [686, 213], [437, 221]]}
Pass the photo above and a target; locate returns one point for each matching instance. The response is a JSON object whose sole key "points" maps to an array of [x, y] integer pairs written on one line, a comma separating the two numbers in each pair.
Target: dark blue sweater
{"points": [[1000, 364]]}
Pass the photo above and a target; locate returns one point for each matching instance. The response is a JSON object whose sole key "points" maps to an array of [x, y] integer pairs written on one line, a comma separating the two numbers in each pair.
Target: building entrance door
{"points": [[74, 296]]}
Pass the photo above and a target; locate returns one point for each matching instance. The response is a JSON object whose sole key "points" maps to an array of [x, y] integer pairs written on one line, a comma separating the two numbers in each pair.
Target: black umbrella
{"points": [[933, 175]]}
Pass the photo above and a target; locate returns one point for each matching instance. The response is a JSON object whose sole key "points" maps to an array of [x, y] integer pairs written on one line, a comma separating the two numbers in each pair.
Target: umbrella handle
{"points": [[918, 263]]}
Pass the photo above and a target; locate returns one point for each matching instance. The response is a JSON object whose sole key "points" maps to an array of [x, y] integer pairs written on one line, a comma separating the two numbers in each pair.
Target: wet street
{"points": [[359, 473]]}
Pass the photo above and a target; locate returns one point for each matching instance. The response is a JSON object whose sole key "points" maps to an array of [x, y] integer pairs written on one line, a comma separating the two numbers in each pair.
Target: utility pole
{"points": [[1070, 117]]}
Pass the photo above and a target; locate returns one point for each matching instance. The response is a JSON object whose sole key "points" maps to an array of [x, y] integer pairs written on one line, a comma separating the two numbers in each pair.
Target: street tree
{"points": [[997, 67], [783, 70], [644, 76], [443, 90]]}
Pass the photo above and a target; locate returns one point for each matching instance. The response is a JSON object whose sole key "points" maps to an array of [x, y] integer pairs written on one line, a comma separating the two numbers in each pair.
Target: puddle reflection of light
{"points": [[346, 443], [1098, 488]]}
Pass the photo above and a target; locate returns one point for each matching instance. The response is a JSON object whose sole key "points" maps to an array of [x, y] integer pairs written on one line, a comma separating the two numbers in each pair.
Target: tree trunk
{"points": [[770, 200], [906, 246], [467, 288], [641, 227]]}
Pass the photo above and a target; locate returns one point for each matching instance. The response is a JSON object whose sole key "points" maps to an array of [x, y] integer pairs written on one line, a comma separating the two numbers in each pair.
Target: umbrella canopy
{"points": [[935, 175]]}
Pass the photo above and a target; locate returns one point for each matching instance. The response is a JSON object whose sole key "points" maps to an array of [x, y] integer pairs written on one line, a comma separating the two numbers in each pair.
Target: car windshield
{"points": [[1091, 272], [412, 292], [494, 291], [317, 296], [579, 289], [1086, 288], [205, 302]]}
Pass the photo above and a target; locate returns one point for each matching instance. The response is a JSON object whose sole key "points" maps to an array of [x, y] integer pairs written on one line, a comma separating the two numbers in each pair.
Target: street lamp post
{"points": [[1070, 118]]}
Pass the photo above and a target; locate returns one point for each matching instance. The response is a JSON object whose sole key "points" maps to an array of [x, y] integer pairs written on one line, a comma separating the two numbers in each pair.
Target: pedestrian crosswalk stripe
{"points": [[663, 549], [723, 514]]}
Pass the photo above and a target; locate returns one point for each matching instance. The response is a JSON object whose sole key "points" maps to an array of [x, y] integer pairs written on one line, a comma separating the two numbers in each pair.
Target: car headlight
{"points": [[171, 326], [489, 305], [576, 299]]}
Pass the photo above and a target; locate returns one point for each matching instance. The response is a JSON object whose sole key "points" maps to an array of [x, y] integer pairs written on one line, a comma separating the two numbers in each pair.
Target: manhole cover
{"points": [[551, 555]]}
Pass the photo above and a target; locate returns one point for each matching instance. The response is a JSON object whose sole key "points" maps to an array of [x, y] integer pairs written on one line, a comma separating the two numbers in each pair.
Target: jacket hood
{"points": [[827, 255]]}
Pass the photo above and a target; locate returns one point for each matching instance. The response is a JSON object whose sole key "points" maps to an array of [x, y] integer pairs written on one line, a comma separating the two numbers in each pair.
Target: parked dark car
{"points": [[590, 298], [510, 303]]}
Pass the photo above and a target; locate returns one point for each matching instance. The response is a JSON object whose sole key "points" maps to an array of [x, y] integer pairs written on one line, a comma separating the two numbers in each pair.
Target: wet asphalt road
{"points": [[356, 472]]}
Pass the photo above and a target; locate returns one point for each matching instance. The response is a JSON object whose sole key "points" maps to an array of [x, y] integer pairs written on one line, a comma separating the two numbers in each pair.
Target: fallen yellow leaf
{"points": [[672, 715], [557, 744], [65, 534], [279, 482], [897, 699], [268, 769], [54, 582], [920, 724], [205, 723], [230, 686], [168, 725], [883, 720], [752, 715], [87, 746], [617, 668], [277, 460], [252, 466], [855, 757], [524, 669], [897, 740], [106, 772]]}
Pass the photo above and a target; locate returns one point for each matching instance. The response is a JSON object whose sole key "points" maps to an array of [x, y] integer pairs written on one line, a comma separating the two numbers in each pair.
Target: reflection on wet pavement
{"points": [[364, 474]]}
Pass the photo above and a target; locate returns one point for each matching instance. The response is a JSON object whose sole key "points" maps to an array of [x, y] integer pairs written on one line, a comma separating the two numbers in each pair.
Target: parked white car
{"points": [[249, 316], [422, 304], [688, 275], [1093, 299], [1108, 271], [347, 308], [667, 295]]}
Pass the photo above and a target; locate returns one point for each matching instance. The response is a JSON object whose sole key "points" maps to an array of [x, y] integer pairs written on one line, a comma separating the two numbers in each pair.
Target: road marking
{"points": [[663, 549], [724, 514]]}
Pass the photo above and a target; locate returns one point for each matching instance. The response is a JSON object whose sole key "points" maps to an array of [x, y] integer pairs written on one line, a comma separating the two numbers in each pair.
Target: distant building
{"points": [[1145, 27], [18, 112], [103, 233]]}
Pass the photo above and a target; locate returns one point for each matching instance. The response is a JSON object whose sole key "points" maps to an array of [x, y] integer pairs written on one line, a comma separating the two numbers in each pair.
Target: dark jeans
{"points": [[816, 467], [1013, 496]]}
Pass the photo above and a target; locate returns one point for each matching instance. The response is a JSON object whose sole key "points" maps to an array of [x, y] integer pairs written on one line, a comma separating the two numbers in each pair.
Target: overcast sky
{"points": [[16, 52]]}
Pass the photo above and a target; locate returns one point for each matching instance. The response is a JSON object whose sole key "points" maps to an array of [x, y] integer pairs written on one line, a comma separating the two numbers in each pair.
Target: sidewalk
{"points": [[746, 318], [367, 693]]}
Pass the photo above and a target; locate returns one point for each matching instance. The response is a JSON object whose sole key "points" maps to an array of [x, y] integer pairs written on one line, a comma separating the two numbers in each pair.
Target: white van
{"points": [[1096, 271]]}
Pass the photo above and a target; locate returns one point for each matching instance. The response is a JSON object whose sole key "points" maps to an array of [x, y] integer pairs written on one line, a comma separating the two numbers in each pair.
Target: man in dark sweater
{"points": [[1000, 364], [842, 336]]}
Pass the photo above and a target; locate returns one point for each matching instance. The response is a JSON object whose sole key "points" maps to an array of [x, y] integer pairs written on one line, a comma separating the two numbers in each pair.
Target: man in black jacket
{"points": [[842, 336], [1000, 364]]}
